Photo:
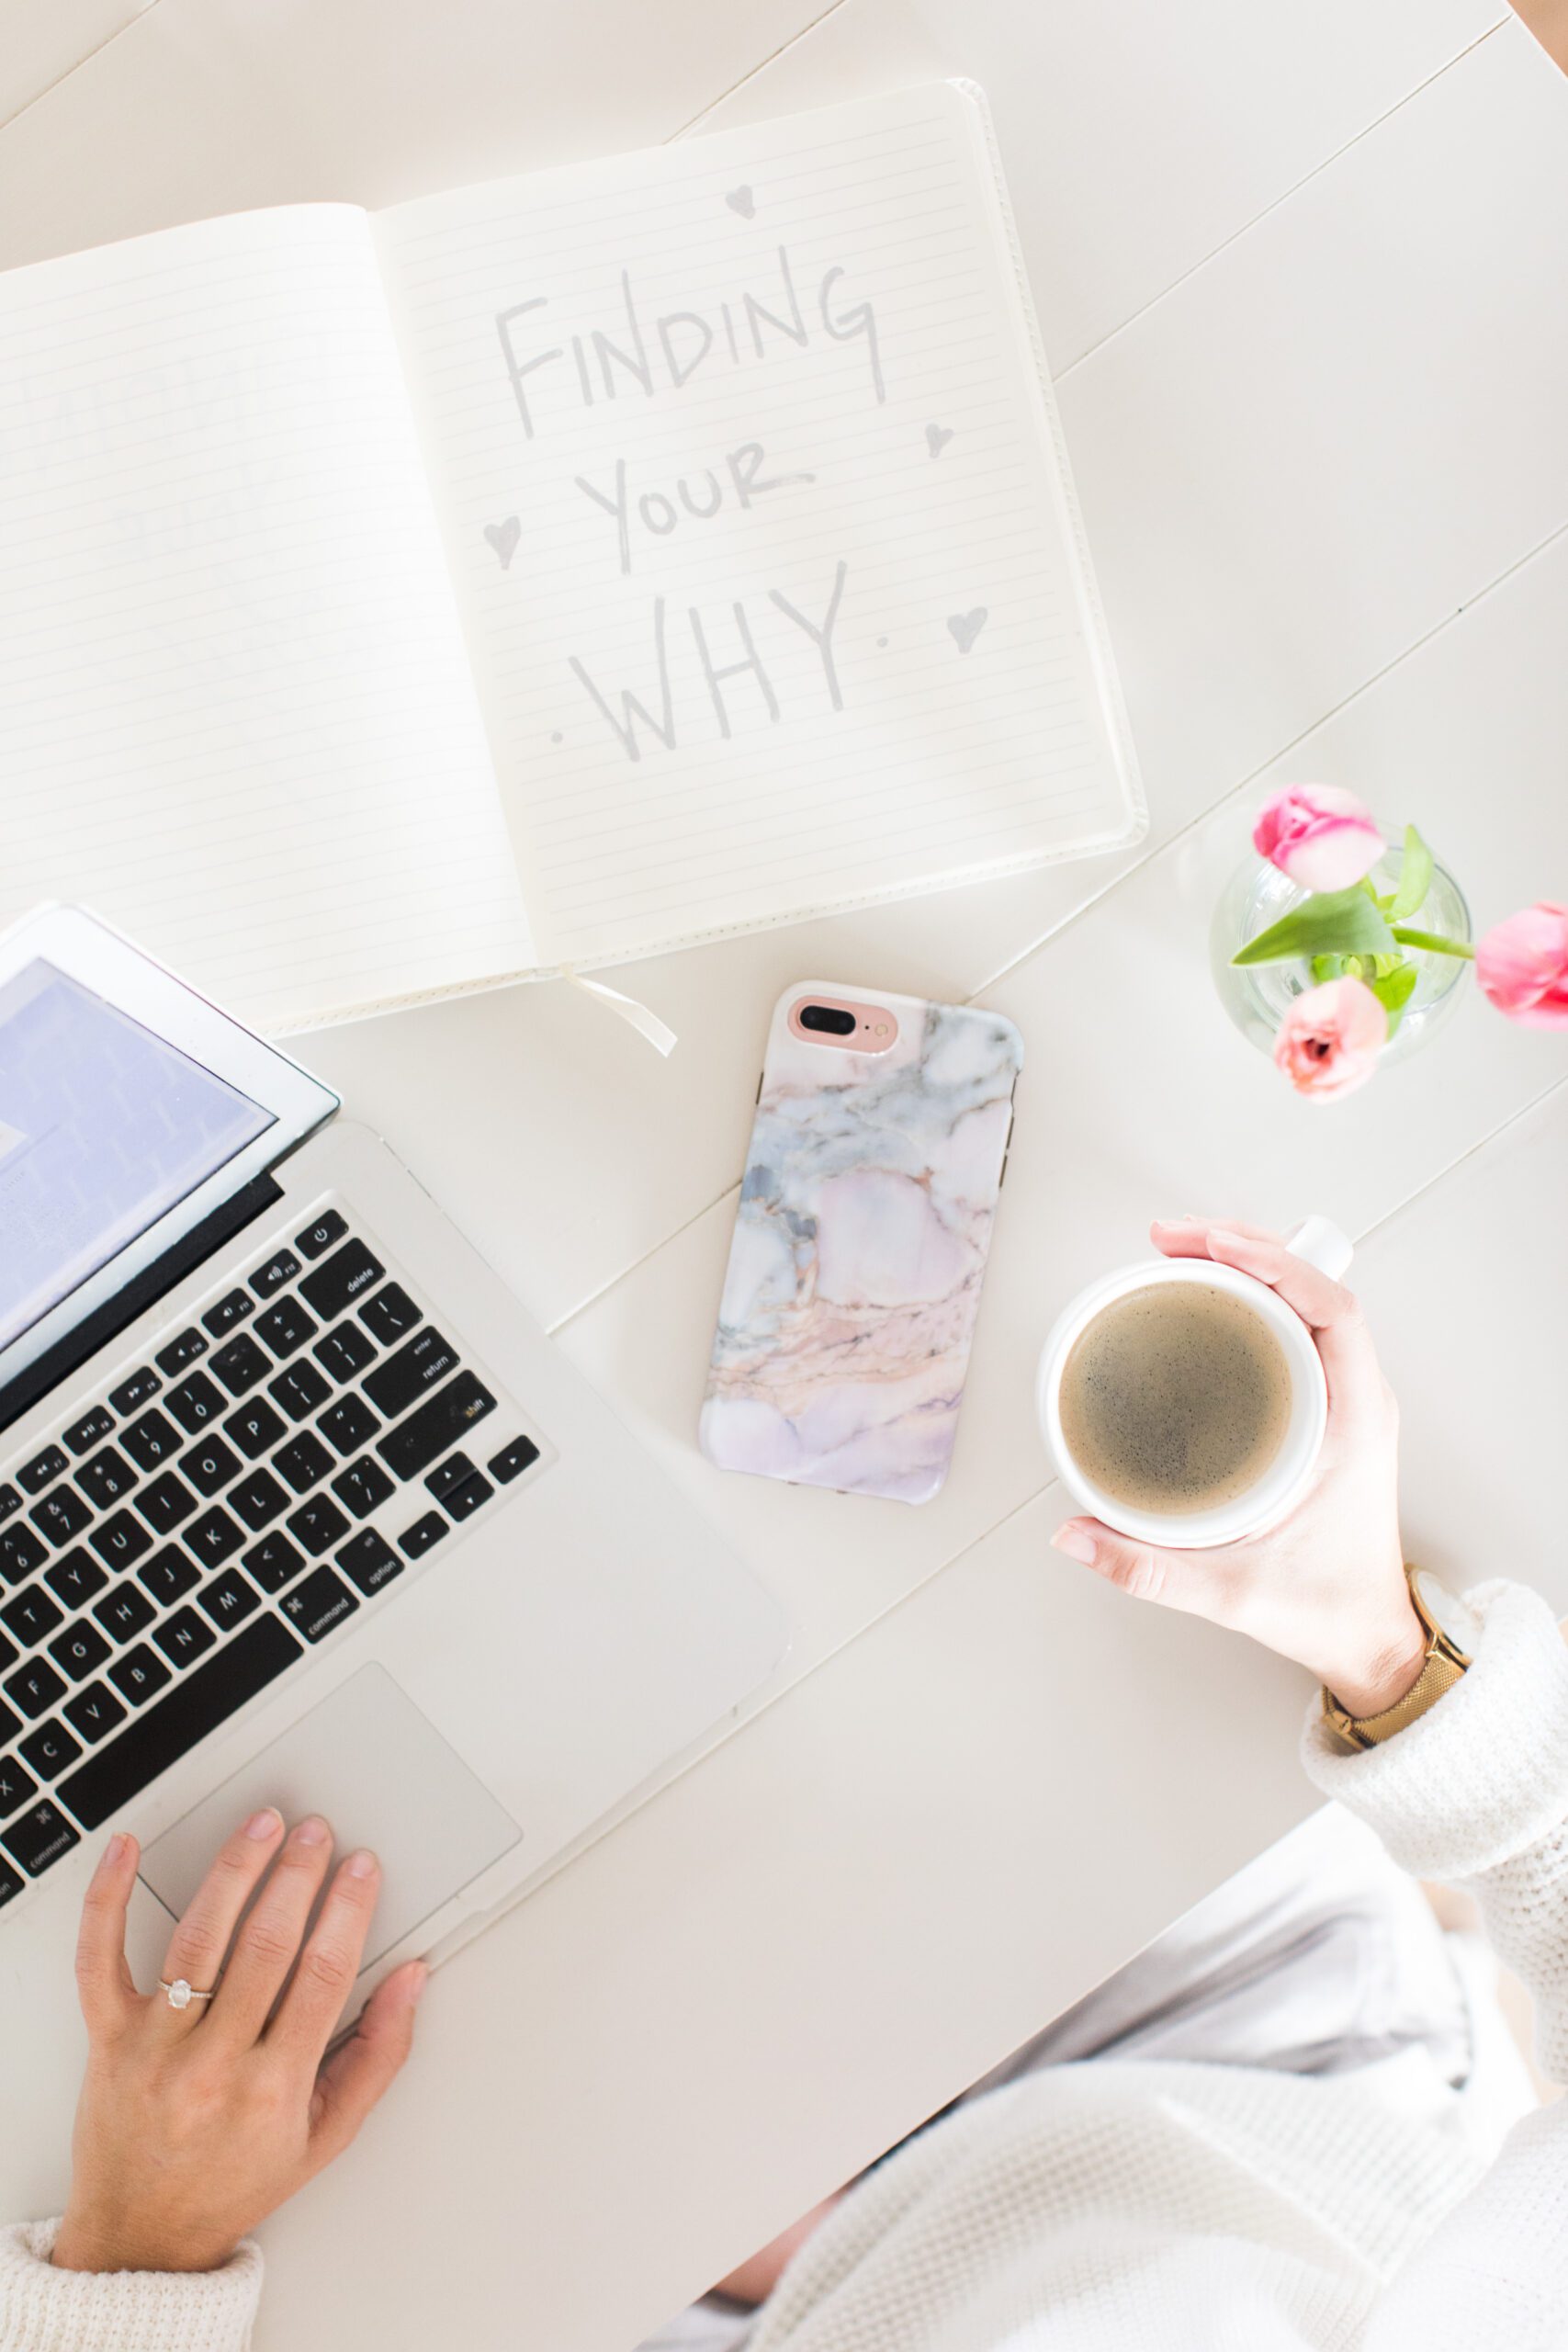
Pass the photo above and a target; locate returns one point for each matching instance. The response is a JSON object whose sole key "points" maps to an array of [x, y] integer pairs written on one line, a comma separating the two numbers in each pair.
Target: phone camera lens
{"points": [[828, 1018]]}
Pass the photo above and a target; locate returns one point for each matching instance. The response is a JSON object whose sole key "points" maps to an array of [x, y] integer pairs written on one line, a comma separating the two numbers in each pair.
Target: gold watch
{"points": [[1451, 1634]]}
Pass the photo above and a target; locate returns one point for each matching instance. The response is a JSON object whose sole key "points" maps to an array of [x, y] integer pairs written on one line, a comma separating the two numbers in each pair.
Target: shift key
{"points": [[419, 1363], [436, 1426]]}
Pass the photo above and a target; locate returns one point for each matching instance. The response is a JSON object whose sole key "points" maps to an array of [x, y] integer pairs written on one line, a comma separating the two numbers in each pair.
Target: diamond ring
{"points": [[181, 1995]]}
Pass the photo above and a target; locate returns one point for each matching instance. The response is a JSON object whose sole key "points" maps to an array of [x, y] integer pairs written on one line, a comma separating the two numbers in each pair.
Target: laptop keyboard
{"points": [[274, 1466]]}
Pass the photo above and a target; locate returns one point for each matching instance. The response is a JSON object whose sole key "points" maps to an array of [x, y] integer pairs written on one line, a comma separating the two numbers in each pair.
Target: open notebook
{"points": [[548, 573]]}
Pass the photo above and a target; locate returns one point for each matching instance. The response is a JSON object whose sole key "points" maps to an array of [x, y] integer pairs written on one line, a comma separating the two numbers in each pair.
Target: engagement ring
{"points": [[182, 1994]]}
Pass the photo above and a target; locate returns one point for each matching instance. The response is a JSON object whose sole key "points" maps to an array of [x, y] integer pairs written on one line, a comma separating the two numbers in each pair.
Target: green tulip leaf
{"points": [[1414, 877], [1327, 968], [1331, 923], [1394, 990]]}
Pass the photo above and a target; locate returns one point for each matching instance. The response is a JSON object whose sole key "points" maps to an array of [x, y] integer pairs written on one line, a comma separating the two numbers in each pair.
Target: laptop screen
{"points": [[104, 1127]]}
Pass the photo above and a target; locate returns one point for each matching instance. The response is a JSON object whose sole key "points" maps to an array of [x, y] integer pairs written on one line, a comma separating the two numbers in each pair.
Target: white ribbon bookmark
{"points": [[659, 1034]]}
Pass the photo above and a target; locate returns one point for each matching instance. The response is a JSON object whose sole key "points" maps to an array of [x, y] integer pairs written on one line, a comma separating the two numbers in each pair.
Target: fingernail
{"points": [[112, 1854], [419, 1977], [312, 1831], [265, 1823], [1075, 1543], [362, 1864]]}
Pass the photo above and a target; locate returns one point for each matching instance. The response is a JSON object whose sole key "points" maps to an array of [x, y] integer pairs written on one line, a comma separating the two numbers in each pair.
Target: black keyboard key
{"points": [[275, 1562], [258, 1499], [12, 1883], [304, 1462], [390, 1314], [35, 1688], [419, 1363], [94, 1713], [10, 1725], [328, 1228], [513, 1460], [241, 1364], [11, 1499], [228, 1312], [139, 1675], [36, 1474], [318, 1525], [168, 1576], [449, 1474], [30, 1615], [213, 1537], [433, 1425], [120, 1540], [133, 1393], [16, 1787], [79, 1651], [204, 1699], [150, 1441], [342, 1354], [195, 1403], [50, 1750], [181, 1351], [209, 1464], [40, 1837], [166, 1503], [300, 1390], [464, 1500], [76, 1577], [21, 1554], [183, 1638], [349, 1425], [123, 1612], [61, 1515], [83, 1435], [229, 1600], [341, 1279], [285, 1328], [254, 1429], [422, 1535], [274, 1274], [9, 1654], [323, 1601], [369, 1561], [105, 1478], [363, 1486]]}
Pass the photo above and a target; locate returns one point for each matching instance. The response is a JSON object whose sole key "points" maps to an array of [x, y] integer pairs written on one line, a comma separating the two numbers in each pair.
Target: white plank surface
{"points": [[1317, 452], [41, 46]]}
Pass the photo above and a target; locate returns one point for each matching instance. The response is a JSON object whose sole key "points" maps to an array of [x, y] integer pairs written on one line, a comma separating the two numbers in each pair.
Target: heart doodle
{"points": [[741, 201], [965, 627], [937, 438], [503, 538]]}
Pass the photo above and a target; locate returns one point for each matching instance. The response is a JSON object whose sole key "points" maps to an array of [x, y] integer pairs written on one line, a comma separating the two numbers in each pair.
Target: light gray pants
{"points": [[1318, 1957]]}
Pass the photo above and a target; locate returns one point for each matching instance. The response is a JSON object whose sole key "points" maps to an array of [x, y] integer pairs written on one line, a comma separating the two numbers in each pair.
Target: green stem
{"points": [[1433, 942]]}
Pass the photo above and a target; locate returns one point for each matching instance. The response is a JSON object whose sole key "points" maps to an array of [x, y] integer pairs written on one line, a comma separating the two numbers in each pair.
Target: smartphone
{"points": [[872, 1180]]}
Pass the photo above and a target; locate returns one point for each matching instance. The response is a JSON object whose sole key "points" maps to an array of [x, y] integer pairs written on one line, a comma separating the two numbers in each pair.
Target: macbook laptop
{"points": [[297, 1505]]}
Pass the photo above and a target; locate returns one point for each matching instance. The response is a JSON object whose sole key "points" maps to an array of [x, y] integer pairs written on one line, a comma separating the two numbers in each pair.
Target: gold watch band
{"points": [[1444, 1665]]}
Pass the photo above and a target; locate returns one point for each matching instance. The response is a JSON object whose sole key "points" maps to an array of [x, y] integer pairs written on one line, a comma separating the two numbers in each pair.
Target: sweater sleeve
{"points": [[45, 2310], [1476, 1792]]}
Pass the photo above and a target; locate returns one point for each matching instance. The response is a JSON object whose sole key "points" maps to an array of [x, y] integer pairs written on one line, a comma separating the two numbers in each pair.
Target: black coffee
{"points": [[1176, 1398]]}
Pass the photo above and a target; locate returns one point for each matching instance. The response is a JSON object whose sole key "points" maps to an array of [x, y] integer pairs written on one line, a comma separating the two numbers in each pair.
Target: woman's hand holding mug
{"points": [[1327, 1586], [196, 2123]]}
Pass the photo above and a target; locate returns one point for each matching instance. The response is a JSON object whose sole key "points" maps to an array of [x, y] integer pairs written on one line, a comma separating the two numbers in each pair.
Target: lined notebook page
{"points": [[236, 716], [753, 511]]}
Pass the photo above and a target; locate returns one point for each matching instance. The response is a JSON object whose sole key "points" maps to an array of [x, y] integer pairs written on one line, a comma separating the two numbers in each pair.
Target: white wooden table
{"points": [[1301, 280]]}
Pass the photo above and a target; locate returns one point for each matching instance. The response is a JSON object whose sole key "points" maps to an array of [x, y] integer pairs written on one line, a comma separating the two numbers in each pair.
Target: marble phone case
{"points": [[860, 1245]]}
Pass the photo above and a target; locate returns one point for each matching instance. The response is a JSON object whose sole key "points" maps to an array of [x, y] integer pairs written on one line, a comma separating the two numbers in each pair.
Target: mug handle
{"points": [[1323, 1245]]}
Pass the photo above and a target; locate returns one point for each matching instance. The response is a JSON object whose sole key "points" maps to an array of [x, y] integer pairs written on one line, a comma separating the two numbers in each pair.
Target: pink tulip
{"points": [[1328, 1041], [1522, 966], [1322, 836]]}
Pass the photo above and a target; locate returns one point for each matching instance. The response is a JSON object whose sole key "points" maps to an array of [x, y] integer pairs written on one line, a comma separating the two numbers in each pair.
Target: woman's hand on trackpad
{"points": [[199, 2118]]}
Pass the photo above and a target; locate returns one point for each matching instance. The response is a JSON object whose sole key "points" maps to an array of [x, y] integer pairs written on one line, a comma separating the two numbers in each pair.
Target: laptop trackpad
{"points": [[384, 1776]]}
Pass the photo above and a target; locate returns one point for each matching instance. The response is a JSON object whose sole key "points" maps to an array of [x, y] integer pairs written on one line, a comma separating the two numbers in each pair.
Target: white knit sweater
{"points": [[1143, 2207]]}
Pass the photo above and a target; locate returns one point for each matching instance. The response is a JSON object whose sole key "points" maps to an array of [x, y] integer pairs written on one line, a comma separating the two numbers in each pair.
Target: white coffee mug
{"points": [[1280, 1487]]}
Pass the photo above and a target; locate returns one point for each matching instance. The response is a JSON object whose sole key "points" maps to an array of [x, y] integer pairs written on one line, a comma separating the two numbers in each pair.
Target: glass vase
{"points": [[1256, 995]]}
